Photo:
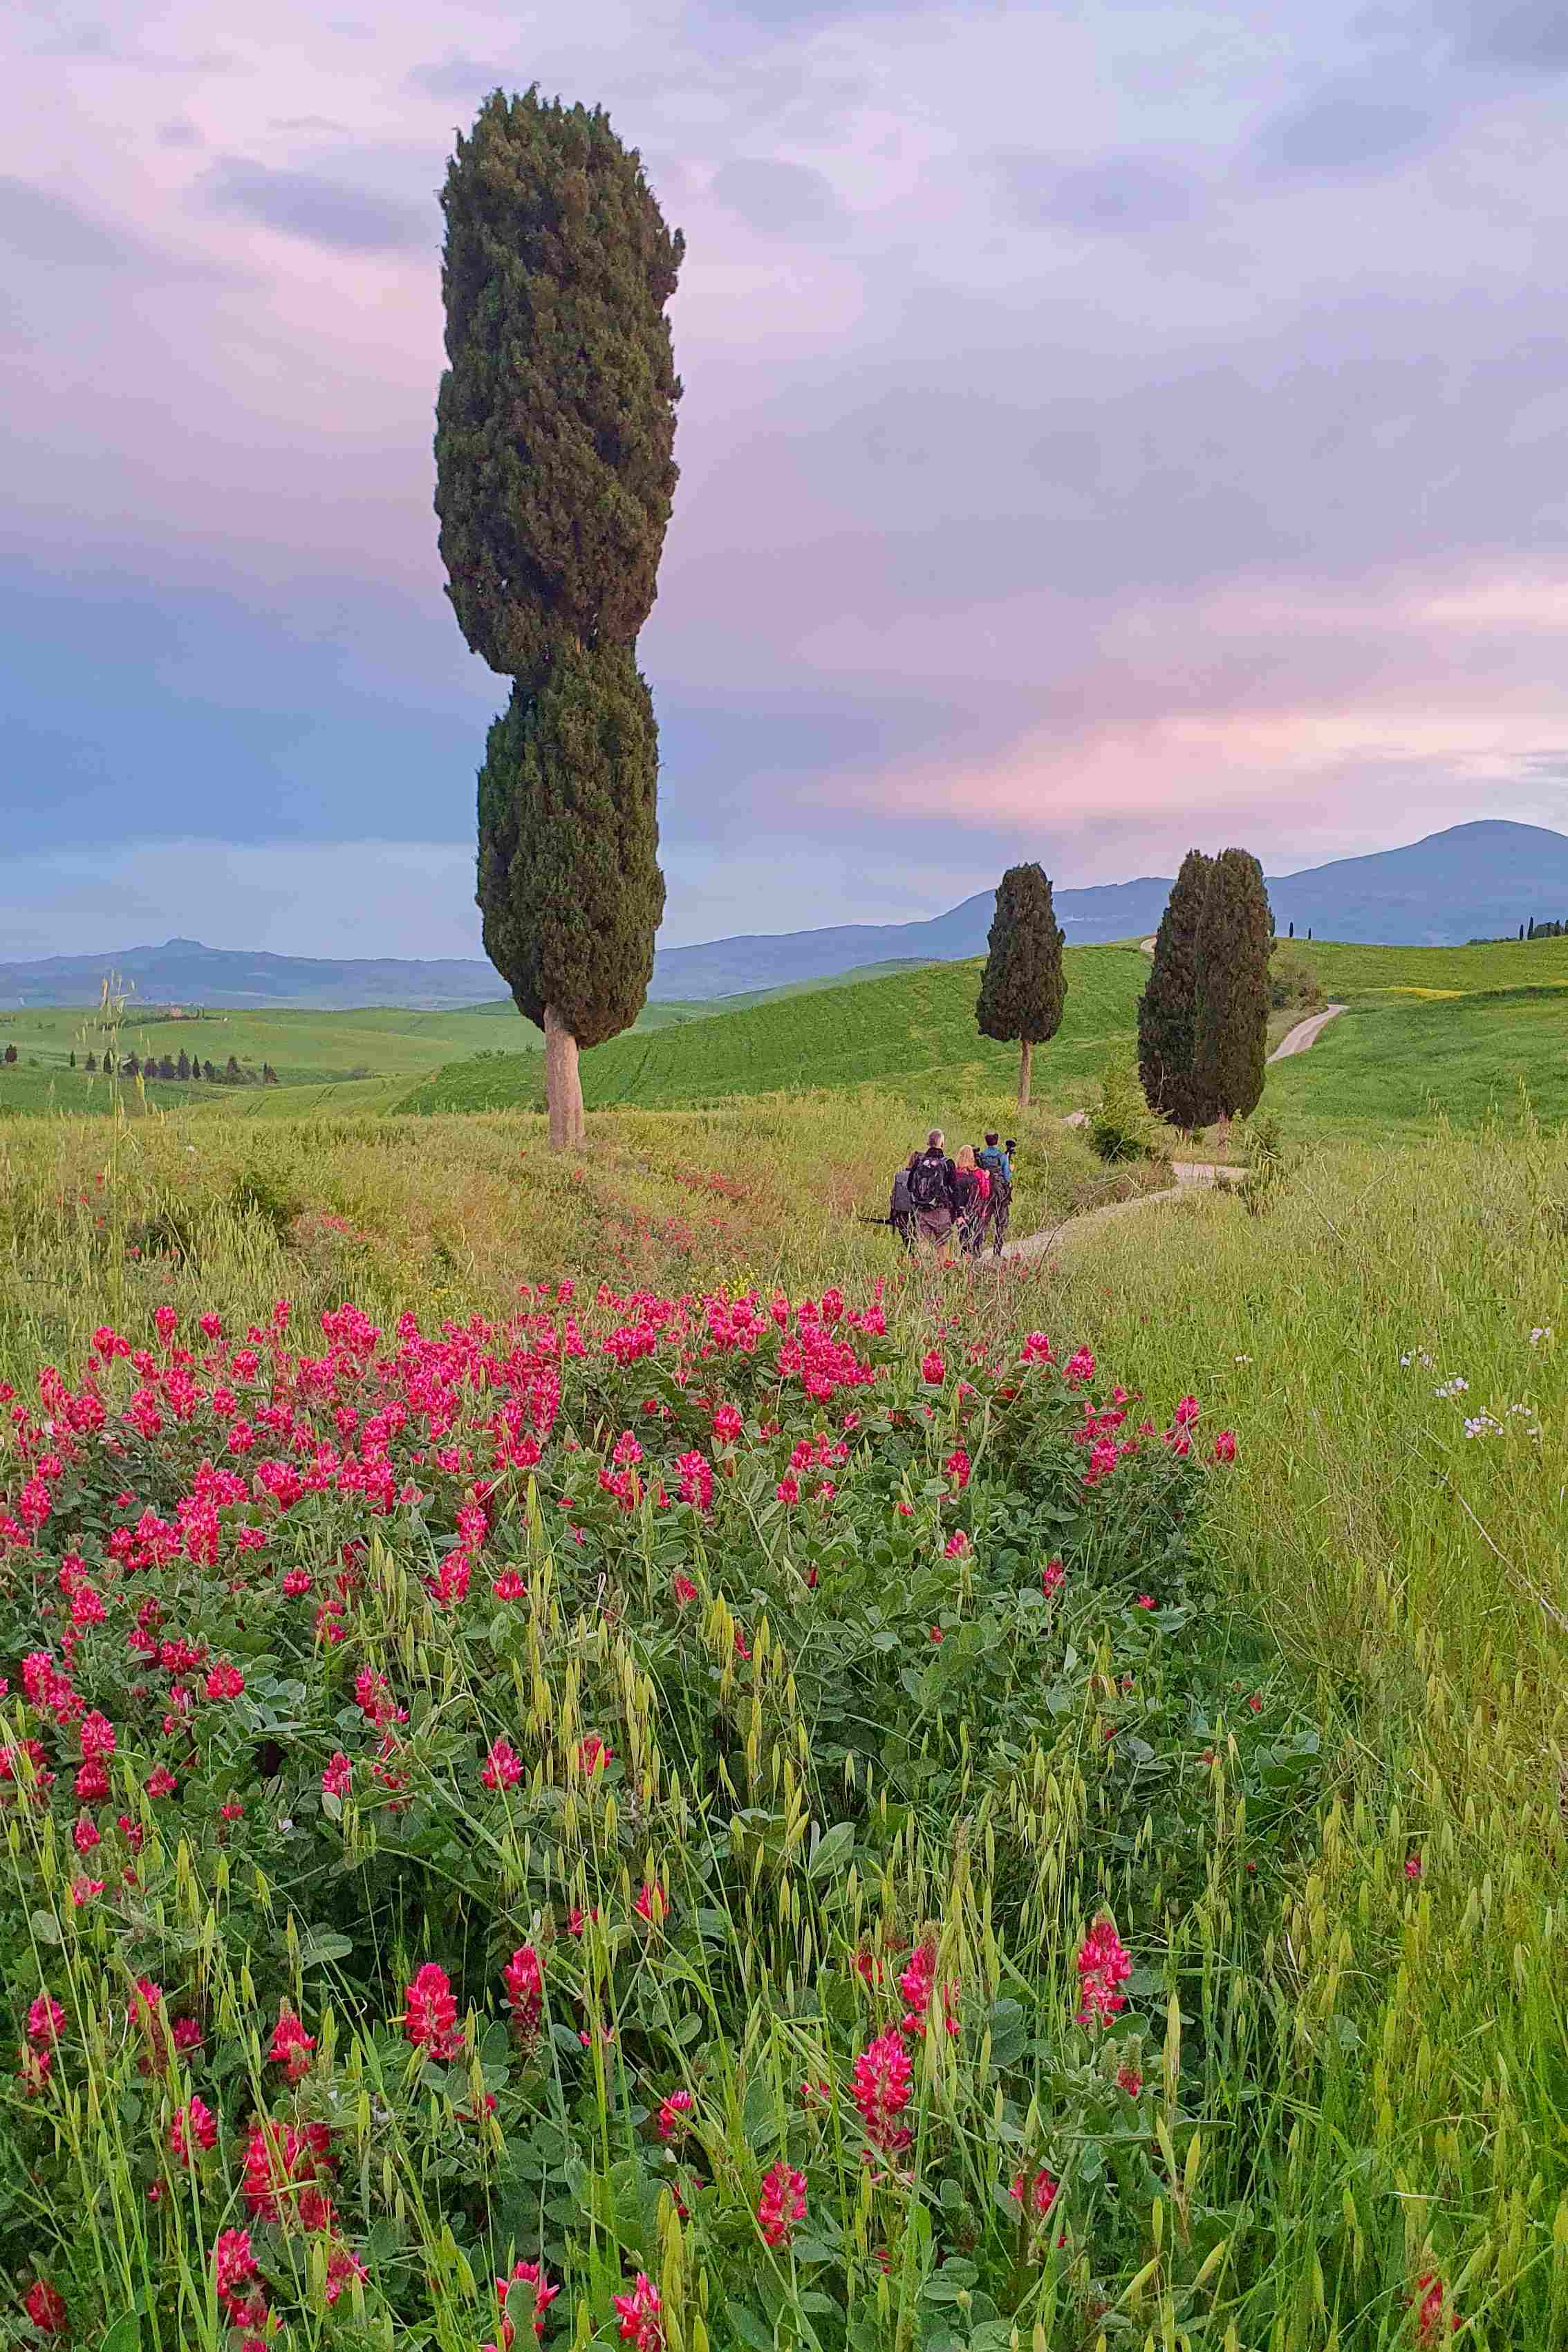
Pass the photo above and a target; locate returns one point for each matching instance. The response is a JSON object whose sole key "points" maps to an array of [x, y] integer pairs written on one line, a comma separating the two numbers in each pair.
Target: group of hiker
{"points": [[967, 1198]]}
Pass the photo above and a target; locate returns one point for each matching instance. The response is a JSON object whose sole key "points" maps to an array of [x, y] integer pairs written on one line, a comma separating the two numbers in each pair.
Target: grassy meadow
{"points": [[1330, 2110], [587, 1748]]}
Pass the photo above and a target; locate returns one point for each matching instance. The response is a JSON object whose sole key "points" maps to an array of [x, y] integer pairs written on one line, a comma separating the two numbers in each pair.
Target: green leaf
{"points": [[750, 2328], [46, 1926], [125, 2335], [833, 1851], [324, 1944]]}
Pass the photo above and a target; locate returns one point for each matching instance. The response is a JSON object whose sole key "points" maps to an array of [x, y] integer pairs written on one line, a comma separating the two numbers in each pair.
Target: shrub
{"points": [[1293, 982], [1268, 1163], [259, 1191], [1122, 1126]]}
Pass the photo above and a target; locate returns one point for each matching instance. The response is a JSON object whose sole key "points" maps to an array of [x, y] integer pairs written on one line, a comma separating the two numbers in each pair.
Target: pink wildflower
{"points": [[672, 2114], [291, 2047], [1103, 1963], [642, 2326], [884, 2081], [524, 1981], [337, 1775], [1039, 2194], [430, 2019], [503, 1766], [529, 2274], [780, 2204]]}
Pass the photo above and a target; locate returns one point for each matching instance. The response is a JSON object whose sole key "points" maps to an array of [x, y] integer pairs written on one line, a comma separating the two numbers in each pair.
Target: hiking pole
{"points": [[873, 1220]]}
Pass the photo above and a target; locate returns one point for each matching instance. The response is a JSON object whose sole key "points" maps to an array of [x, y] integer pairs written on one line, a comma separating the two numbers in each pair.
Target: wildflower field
{"points": [[585, 1752]]}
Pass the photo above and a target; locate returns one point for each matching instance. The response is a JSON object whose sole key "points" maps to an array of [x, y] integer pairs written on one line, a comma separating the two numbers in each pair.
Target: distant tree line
{"points": [[1530, 930], [153, 1065]]}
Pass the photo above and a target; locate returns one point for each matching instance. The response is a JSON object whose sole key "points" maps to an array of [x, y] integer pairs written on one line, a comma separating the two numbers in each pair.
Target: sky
{"points": [[1107, 428]]}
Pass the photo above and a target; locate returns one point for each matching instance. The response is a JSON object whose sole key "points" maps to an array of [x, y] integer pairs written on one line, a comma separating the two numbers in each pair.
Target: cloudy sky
{"points": [[1107, 427]]}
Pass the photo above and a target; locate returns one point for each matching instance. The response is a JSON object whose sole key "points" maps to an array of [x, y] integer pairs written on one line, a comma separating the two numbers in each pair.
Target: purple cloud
{"points": [[330, 213]]}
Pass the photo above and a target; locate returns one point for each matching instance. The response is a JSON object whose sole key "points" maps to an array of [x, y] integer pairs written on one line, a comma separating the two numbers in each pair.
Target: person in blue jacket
{"points": [[997, 1161]]}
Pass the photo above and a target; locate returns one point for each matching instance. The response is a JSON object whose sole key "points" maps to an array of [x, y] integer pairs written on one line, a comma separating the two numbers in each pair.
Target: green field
{"points": [[865, 1780], [1432, 1033], [891, 1031], [328, 1064]]}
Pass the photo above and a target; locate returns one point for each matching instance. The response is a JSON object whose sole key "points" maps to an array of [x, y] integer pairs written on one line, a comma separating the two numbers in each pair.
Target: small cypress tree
{"points": [[183, 1067], [269, 1075], [91, 1064], [1023, 988], [1167, 1009], [209, 1074], [1292, 930], [133, 1067], [165, 1068], [73, 1058], [10, 1053], [1529, 933], [554, 474], [232, 1073], [1235, 940]]}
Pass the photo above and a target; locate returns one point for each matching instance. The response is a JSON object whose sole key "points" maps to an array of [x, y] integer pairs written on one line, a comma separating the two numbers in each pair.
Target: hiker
{"points": [[973, 1187], [997, 1163], [900, 1208], [933, 1190]]}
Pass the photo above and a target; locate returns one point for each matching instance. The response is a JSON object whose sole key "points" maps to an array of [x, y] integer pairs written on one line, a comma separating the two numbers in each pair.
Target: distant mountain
{"points": [[1474, 881], [184, 972]]}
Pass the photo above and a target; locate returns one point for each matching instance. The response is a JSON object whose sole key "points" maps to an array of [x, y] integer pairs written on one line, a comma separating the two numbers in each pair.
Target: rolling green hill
{"points": [[890, 1031], [1347, 972]]}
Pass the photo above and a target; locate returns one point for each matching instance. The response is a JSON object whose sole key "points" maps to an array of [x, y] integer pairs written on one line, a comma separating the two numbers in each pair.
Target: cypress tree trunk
{"points": [[1025, 1052], [562, 1084]]}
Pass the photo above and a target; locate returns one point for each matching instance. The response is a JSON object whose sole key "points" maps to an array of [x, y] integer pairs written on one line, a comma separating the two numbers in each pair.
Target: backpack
{"points": [[983, 1183], [928, 1181], [990, 1159]]}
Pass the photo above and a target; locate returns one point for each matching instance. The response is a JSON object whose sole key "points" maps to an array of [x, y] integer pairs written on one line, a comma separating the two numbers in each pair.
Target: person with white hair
{"points": [[933, 1192]]}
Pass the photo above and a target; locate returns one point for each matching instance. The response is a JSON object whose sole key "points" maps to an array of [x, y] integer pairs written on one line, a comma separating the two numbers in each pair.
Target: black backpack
{"points": [[928, 1181]]}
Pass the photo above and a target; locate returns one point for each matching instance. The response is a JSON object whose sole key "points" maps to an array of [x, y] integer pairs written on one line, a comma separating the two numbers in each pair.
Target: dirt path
{"points": [[1191, 1175], [1306, 1032]]}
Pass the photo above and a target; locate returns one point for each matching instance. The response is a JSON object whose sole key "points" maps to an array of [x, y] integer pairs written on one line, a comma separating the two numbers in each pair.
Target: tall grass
{"points": [[1379, 2029]]}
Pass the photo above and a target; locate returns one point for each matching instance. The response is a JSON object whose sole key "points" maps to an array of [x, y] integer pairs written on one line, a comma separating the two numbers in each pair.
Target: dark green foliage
{"points": [[183, 1067], [569, 882], [554, 440], [1235, 938], [555, 422], [262, 1192], [1023, 985], [1167, 1009], [10, 1053]]}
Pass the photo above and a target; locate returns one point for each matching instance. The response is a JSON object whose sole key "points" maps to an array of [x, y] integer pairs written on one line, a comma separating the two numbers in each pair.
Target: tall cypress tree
{"points": [[1167, 1009], [555, 434], [1235, 938], [1023, 988]]}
